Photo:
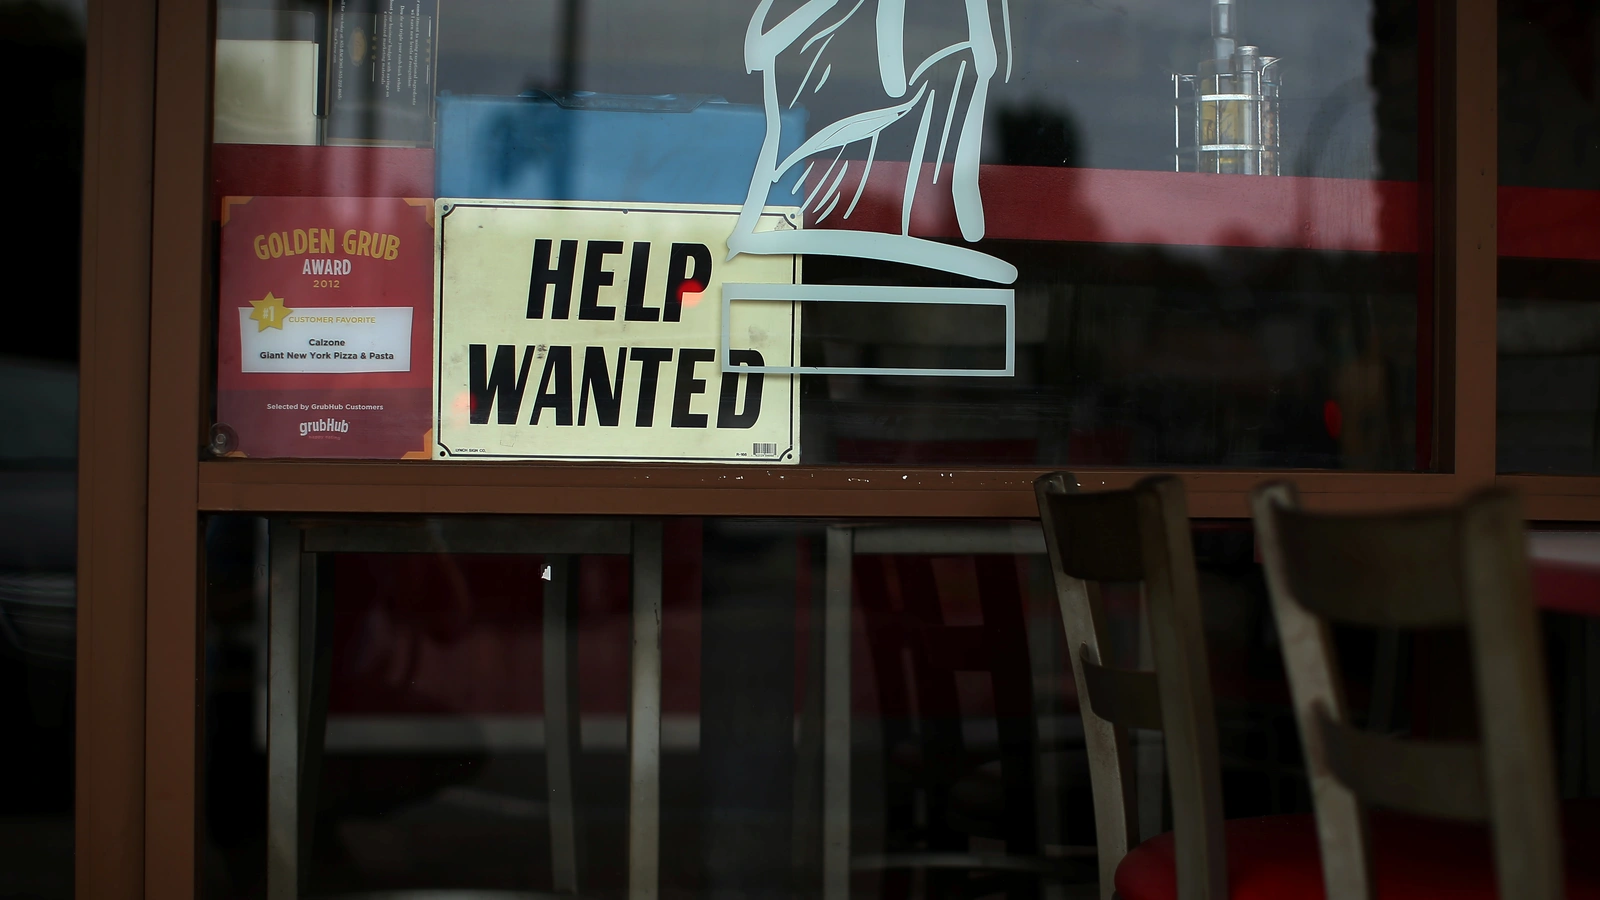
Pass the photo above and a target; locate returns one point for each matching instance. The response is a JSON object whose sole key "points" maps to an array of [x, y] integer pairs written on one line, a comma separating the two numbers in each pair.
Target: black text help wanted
{"points": [[598, 385], [601, 385]]}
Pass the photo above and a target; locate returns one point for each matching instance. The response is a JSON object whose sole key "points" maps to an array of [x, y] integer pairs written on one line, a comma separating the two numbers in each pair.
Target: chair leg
{"points": [[561, 721], [644, 716], [283, 712]]}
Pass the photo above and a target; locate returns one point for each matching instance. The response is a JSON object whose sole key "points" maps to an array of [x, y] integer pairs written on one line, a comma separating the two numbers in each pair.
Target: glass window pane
{"points": [[44, 44], [431, 685], [1549, 366], [427, 691], [1025, 233]]}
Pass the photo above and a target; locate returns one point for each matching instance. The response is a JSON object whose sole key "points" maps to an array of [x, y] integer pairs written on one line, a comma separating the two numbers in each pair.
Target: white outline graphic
{"points": [[762, 47], [861, 293]]}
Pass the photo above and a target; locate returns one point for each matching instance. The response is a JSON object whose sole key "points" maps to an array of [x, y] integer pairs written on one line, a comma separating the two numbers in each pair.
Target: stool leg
{"points": [[283, 712], [561, 721], [1047, 662], [899, 679], [1574, 707], [747, 669], [1005, 632], [1385, 681], [836, 718], [261, 590], [808, 762], [316, 657], [1591, 705], [644, 716]]}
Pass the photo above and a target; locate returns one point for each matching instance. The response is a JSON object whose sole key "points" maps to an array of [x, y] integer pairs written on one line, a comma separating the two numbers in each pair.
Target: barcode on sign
{"points": [[764, 450]]}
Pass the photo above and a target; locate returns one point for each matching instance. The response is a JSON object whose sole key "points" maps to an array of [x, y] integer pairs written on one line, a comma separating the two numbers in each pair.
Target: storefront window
{"points": [[1021, 233], [479, 716], [1549, 326]]}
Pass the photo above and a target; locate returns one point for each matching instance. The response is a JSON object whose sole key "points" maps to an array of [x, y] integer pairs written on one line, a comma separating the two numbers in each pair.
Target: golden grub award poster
{"points": [[592, 331], [325, 331]]}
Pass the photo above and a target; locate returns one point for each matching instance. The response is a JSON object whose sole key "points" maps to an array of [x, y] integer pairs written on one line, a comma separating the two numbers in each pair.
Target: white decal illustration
{"points": [[903, 95]]}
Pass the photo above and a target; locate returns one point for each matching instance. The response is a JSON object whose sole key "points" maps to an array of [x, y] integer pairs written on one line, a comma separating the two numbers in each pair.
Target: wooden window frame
{"points": [[143, 485]]}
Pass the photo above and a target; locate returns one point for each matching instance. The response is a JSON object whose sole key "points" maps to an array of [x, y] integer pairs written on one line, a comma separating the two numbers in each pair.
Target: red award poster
{"points": [[325, 332]]}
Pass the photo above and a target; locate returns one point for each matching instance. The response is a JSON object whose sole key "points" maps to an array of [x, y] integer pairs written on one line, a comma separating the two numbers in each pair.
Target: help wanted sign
{"points": [[588, 331]]}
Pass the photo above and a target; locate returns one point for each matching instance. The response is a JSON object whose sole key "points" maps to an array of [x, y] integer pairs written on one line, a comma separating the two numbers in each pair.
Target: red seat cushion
{"points": [[1276, 857]]}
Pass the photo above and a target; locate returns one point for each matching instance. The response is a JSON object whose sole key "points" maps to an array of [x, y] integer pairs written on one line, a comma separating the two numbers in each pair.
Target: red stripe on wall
{"points": [[1127, 207], [1030, 203]]}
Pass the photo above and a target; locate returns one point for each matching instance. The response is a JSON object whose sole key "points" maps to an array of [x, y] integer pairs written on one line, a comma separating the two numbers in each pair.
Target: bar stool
{"points": [[993, 646], [299, 657]]}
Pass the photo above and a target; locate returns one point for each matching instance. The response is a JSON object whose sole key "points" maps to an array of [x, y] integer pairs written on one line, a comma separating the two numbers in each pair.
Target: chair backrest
{"points": [[1140, 535], [1463, 566]]}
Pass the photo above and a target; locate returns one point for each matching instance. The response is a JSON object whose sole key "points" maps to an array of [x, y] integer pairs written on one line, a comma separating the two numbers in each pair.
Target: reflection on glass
{"points": [[1161, 317], [1548, 403], [44, 45], [435, 757]]}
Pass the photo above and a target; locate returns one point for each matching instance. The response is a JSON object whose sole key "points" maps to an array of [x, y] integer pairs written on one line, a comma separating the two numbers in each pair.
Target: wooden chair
{"points": [[1139, 535], [299, 653], [1143, 535], [1458, 567], [915, 652]]}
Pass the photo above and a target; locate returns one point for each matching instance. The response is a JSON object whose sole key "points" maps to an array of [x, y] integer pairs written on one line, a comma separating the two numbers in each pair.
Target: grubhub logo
{"points": [[318, 426]]}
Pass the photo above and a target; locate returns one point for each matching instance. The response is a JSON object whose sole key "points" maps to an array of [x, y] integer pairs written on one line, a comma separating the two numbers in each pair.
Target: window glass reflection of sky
{"points": [[1091, 82]]}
